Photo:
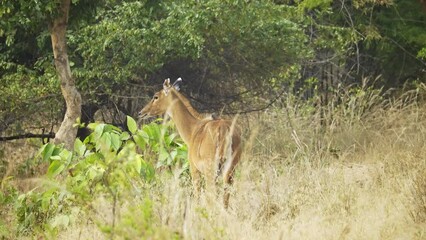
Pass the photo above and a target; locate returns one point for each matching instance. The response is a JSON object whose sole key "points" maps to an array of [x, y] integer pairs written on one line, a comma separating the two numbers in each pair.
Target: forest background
{"points": [[234, 56], [335, 64]]}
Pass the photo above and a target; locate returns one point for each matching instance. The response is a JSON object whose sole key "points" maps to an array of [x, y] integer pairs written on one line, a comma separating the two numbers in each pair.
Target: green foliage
{"points": [[35, 210], [263, 35], [164, 141], [126, 46], [311, 4], [26, 15], [109, 163], [422, 53], [136, 39], [27, 74], [403, 37], [225, 48], [24, 91]]}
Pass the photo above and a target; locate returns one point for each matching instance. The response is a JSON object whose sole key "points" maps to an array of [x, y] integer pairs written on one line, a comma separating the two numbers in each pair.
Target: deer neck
{"points": [[185, 122]]}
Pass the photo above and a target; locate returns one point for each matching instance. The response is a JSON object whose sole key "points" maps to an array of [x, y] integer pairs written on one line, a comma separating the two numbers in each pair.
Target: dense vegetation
{"points": [[331, 97], [235, 56]]}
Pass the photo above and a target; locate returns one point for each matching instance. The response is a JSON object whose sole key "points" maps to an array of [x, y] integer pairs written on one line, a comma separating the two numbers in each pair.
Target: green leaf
{"points": [[111, 129], [422, 53], [143, 134], [99, 130], [169, 139], [153, 131], [138, 163], [115, 141], [131, 125], [47, 151], [93, 158], [105, 141], [124, 136], [164, 156], [88, 139], [79, 147], [140, 141], [147, 171], [92, 126], [55, 168], [57, 158]]}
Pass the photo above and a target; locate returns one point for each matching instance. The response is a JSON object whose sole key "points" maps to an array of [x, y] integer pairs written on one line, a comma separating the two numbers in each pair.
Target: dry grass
{"points": [[363, 180], [358, 179]]}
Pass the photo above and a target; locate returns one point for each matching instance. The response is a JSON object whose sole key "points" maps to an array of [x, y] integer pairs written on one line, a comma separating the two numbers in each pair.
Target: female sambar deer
{"points": [[214, 145]]}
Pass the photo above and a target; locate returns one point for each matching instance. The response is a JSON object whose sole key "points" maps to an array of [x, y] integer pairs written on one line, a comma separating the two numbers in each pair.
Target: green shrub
{"points": [[110, 163]]}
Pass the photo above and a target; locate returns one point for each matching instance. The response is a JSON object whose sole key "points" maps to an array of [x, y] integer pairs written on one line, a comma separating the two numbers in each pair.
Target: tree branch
{"points": [[28, 135]]}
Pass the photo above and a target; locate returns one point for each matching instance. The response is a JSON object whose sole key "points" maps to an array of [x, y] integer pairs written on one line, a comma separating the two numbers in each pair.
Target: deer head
{"points": [[161, 101]]}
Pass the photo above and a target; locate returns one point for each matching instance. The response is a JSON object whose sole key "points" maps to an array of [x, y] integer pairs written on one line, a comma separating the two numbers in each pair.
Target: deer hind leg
{"points": [[209, 176], [228, 179], [196, 180], [228, 174]]}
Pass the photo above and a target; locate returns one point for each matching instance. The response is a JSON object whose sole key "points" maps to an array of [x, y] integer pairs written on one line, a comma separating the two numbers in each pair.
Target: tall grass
{"points": [[361, 176]]}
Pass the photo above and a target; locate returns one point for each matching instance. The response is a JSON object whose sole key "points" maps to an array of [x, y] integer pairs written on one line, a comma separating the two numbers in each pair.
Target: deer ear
{"points": [[177, 83], [166, 86]]}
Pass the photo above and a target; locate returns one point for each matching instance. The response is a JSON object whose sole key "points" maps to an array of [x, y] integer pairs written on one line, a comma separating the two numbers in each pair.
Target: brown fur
{"points": [[214, 145]]}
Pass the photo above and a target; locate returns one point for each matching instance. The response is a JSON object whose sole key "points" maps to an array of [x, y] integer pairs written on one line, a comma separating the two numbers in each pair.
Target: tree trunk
{"points": [[66, 133]]}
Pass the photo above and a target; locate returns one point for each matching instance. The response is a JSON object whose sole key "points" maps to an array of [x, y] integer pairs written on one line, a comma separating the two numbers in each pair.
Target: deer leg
{"points": [[216, 177], [196, 180], [227, 183], [210, 182], [210, 179], [228, 176]]}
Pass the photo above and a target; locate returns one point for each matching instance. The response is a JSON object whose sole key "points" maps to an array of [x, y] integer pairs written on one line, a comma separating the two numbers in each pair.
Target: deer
{"points": [[214, 144]]}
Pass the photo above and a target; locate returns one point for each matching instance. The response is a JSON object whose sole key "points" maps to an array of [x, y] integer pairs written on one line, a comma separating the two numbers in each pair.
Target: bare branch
{"points": [[27, 135]]}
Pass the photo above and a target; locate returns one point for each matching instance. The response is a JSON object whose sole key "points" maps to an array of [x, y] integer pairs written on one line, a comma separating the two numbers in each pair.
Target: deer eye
{"points": [[155, 97]]}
